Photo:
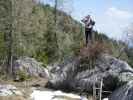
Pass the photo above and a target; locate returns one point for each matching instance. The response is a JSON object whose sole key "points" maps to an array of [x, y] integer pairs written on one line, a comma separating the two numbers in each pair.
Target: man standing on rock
{"points": [[89, 23]]}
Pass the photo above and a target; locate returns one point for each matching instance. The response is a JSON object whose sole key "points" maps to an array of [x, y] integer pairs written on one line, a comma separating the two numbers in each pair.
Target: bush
{"points": [[90, 53], [22, 76]]}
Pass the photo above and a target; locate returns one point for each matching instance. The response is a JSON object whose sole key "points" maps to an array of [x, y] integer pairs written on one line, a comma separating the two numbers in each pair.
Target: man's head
{"points": [[88, 16]]}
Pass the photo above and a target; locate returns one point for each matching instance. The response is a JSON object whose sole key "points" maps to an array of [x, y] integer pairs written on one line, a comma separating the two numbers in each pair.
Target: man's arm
{"points": [[84, 20]]}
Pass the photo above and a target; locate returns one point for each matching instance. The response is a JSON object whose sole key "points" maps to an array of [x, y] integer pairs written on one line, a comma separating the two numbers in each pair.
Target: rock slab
{"points": [[55, 95]]}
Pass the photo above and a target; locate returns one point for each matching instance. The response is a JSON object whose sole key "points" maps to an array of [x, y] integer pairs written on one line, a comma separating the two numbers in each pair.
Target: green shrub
{"points": [[42, 57], [22, 76]]}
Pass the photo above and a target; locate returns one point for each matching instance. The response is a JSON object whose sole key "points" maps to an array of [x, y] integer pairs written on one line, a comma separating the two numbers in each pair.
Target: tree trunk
{"points": [[55, 21], [10, 52], [9, 41]]}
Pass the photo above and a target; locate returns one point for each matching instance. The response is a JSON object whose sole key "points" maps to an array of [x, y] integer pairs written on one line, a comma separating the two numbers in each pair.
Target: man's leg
{"points": [[90, 35], [86, 35]]}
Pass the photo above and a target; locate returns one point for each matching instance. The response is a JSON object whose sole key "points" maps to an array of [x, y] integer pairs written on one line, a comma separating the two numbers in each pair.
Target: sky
{"points": [[112, 17]]}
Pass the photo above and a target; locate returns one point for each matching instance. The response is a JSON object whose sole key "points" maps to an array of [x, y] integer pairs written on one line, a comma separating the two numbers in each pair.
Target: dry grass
{"points": [[90, 53], [13, 98], [27, 83]]}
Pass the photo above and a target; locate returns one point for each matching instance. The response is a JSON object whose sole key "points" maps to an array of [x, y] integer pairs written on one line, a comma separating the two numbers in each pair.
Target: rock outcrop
{"points": [[123, 93], [72, 75], [29, 67]]}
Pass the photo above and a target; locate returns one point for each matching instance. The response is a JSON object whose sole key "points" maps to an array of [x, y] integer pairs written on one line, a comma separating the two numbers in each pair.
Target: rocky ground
{"points": [[10, 90], [33, 90]]}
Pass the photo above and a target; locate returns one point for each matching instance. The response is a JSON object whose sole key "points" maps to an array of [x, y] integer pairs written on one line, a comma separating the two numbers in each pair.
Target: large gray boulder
{"points": [[29, 67], [123, 93], [72, 75]]}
